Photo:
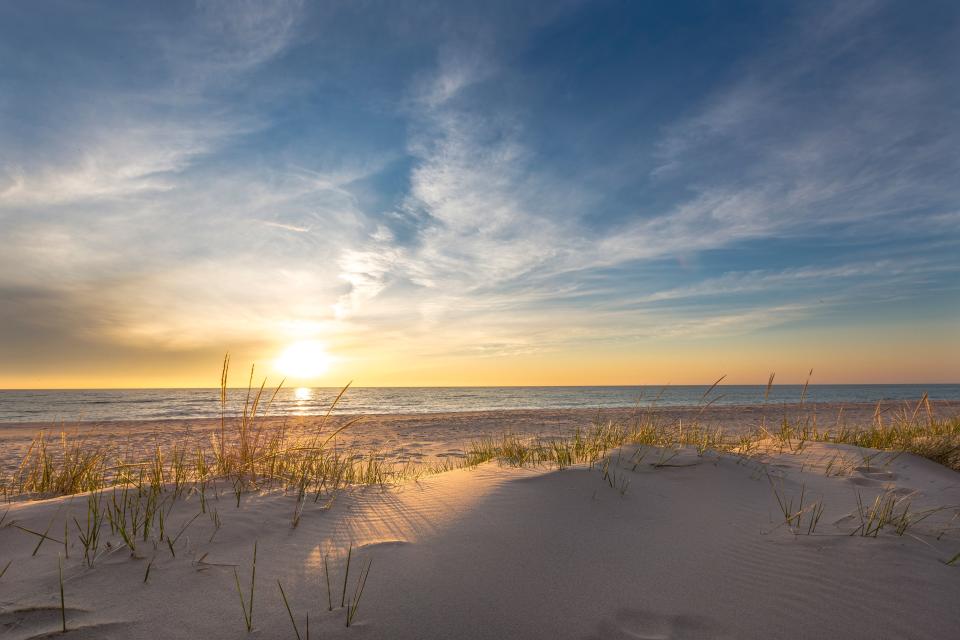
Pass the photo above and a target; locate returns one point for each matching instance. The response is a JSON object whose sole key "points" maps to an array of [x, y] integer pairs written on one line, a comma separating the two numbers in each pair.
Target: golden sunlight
{"points": [[305, 359], [302, 394]]}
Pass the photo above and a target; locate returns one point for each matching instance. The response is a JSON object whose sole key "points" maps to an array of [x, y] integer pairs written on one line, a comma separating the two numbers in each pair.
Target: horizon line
{"points": [[507, 386]]}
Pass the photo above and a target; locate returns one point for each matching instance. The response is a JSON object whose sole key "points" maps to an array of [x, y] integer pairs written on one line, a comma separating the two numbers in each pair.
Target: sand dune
{"points": [[696, 548]]}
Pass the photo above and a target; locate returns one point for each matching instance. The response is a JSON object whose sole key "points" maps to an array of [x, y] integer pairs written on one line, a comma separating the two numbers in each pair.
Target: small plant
{"points": [[41, 536], [290, 613], [346, 576], [326, 571], [298, 509], [63, 605], [666, 455], [90, 534], [793, 517], [637, 457], [217, 523], [248, 606], [616, 480], [357, 593], [883, 513], [45, 537], [146, 574], [815, 514], [182, 530]]}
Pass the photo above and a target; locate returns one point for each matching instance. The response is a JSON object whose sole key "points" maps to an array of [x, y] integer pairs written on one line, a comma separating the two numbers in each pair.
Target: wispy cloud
{"points": [[123, 141], [276, 167]]}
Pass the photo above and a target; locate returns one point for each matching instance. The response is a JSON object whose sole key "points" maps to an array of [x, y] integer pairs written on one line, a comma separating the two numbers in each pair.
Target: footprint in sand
{"points": [[32, 623], [877, 474], [32, 619], [865, 482], [637, 624]]}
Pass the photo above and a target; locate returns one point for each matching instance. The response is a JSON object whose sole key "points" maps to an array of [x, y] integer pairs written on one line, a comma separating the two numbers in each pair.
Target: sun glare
{"points": [[303, 360], [302, 394]]}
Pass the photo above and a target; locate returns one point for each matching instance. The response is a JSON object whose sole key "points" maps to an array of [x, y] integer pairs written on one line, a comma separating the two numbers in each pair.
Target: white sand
{"points": [[694, 550]]}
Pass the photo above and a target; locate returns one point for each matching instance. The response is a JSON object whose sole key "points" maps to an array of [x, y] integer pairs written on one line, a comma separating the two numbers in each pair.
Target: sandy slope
{"points": [[697, 549]]}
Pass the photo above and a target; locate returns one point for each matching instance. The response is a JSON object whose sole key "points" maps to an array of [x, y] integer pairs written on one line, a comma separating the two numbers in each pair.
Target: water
{"points": [[168, 404]]}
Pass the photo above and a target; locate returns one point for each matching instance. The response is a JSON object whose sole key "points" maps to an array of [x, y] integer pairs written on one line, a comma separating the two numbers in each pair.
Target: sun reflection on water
{"points": [[302, 394]]}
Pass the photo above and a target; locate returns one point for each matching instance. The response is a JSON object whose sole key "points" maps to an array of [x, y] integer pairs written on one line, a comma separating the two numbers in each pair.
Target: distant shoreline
{"points": [[853, 411]]}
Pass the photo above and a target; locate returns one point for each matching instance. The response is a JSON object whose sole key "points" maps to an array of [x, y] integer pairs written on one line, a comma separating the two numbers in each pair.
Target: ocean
{"points": [[169, 404]]}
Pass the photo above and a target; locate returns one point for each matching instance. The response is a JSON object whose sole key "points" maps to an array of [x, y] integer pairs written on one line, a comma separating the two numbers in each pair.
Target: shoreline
{"points": [[706, 412]]}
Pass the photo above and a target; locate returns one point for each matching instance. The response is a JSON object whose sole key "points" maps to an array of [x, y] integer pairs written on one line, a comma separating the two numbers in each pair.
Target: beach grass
{"points": [[926, 435], [247, 603], [248, 454], [293, 621], [354, 603]]}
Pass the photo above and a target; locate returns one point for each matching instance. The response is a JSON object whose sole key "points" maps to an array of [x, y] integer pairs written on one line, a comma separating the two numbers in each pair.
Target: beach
{"points": [[430, 438], [783, 541], [479, 320]]}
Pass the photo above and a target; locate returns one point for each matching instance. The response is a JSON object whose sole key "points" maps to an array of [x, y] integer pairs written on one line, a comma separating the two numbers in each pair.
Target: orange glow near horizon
{"points": [[837, 357]]}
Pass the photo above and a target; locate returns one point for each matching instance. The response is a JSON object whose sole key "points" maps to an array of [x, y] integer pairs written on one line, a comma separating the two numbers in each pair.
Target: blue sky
{"points": [[571, 188]]}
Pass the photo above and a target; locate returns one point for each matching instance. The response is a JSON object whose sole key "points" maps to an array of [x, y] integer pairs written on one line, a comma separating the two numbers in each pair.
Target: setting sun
{"points": [[303, 360]]}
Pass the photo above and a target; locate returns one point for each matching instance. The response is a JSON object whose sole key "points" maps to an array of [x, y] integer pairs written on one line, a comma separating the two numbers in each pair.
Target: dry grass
{"points": [[247, 454], [589, 445], [135, 497], [910, 430]]}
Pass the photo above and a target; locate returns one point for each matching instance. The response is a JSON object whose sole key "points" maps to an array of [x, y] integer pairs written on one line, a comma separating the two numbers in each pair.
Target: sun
{"points": [[306, 359]]}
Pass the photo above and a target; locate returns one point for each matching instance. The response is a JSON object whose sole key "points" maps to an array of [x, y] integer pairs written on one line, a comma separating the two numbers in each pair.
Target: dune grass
{"points": [[293, 621], [913, 430], [354, 603], [247, 603], [904, 431], [590, 444], [248, 453], [63, 602], [136, 497]]}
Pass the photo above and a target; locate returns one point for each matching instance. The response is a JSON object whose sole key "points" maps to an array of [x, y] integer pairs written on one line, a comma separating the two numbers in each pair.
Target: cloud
{"points": [[122, 140], [413, 194], [840, 124], [231, 38], [286, 227], [500, 235]]}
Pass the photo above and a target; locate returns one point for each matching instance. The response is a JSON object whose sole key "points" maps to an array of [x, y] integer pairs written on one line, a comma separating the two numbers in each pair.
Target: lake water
{"points": [[153, 404]]}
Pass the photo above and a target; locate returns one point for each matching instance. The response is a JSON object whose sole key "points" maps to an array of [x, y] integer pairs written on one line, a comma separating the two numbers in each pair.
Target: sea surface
{"points": [[172, 404]]}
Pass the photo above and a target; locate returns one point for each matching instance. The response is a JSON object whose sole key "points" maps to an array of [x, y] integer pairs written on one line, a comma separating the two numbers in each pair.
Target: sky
{"points": [[464, 193]]}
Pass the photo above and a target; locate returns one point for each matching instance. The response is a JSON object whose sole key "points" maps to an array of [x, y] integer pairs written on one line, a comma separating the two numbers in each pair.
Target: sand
{"points": [[694, 549], [430, 438]]}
